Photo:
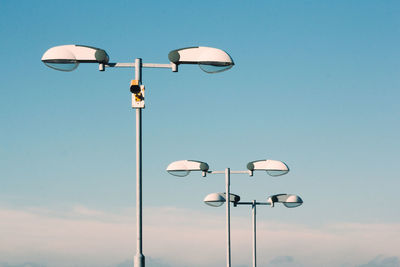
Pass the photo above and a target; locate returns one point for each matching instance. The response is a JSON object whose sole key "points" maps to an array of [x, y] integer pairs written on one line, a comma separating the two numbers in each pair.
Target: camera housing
{"points": [[135, 87], [137, 91]]}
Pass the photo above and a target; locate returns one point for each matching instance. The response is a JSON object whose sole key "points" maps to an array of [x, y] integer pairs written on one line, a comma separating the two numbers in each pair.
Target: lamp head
{"points": [[272, 167], [68, 57], [289, 201], [182, 168], [293, 201], [210, 60], [218, 199]]}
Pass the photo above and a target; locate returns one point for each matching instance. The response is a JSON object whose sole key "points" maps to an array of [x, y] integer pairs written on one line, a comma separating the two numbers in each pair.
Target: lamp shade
{"points": [[68, 57], [293, 201], [210, 59], [184, 167], [218, 199], [272, 167], [288, 200]]}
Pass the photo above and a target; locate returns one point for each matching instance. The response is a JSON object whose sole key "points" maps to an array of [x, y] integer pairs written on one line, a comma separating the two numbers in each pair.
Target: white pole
{"points": [[139, 257], [228, 217], [254, 205]]}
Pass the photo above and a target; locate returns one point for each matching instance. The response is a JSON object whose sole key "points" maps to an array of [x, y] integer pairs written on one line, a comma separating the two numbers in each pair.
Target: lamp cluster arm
{"points": [[250, 173], [252, 203], [68, 57], [171, 66]]}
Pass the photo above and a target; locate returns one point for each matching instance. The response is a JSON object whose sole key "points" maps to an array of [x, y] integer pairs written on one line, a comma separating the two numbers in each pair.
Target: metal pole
{"points": [[139, 257], [228, 217], [254, 205]]}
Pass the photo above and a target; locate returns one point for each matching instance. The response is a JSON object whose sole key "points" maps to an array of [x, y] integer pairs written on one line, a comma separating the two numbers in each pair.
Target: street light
{"points": [[210, 59], [289, 201], [218, 199], [182, 168], [68, 58]]}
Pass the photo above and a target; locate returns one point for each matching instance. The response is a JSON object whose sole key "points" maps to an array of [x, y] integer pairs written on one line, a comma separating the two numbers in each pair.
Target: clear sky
{"points": [[316, 84]]}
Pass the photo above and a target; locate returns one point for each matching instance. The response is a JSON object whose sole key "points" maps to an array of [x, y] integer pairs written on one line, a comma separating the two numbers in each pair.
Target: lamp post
{"points": [[184, 167], [68, 57], [289, 201]]}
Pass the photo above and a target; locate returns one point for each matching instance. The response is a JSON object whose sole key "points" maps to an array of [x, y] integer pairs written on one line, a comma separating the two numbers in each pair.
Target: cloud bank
{"points": [[177, 237], [381, 261]]}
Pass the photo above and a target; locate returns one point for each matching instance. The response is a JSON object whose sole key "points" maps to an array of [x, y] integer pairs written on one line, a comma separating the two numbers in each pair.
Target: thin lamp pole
{"points": [[139, 257], [228, 216], [254, 205], [228, 209]]}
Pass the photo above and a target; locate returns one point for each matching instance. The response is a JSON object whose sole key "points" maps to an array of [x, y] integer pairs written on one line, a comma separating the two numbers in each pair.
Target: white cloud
{"points": [[282, 260], [25, 264], [178, 237]]}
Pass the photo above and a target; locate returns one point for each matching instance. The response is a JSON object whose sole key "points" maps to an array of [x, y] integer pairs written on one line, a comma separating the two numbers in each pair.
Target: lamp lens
{"points": [[179, 173], [62, 66], [210, 68], [215, 203], [277, 172], [291, 204]]}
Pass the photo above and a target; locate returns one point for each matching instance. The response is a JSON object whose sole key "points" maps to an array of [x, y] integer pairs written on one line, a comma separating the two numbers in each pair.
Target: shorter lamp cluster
{"points": [[272, 167]]}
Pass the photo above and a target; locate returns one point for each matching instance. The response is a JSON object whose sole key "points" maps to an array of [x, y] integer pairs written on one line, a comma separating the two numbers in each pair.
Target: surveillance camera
{"points": [[135, 87]]}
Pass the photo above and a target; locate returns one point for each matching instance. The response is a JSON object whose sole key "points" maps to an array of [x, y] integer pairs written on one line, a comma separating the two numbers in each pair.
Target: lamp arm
{"points": [[244, 203], [263, 203], [250, 173], [232, 172], [216, 172], [251, 203], [171, 66]]}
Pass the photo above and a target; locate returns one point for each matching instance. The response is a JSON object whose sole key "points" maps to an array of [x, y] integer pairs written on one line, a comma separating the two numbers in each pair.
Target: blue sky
{"points": [[315, 84]]}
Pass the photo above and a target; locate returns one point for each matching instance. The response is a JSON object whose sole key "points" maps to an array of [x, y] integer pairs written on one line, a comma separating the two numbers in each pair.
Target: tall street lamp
{"points": [[289, 201], [184, 167], [68, 58]]}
